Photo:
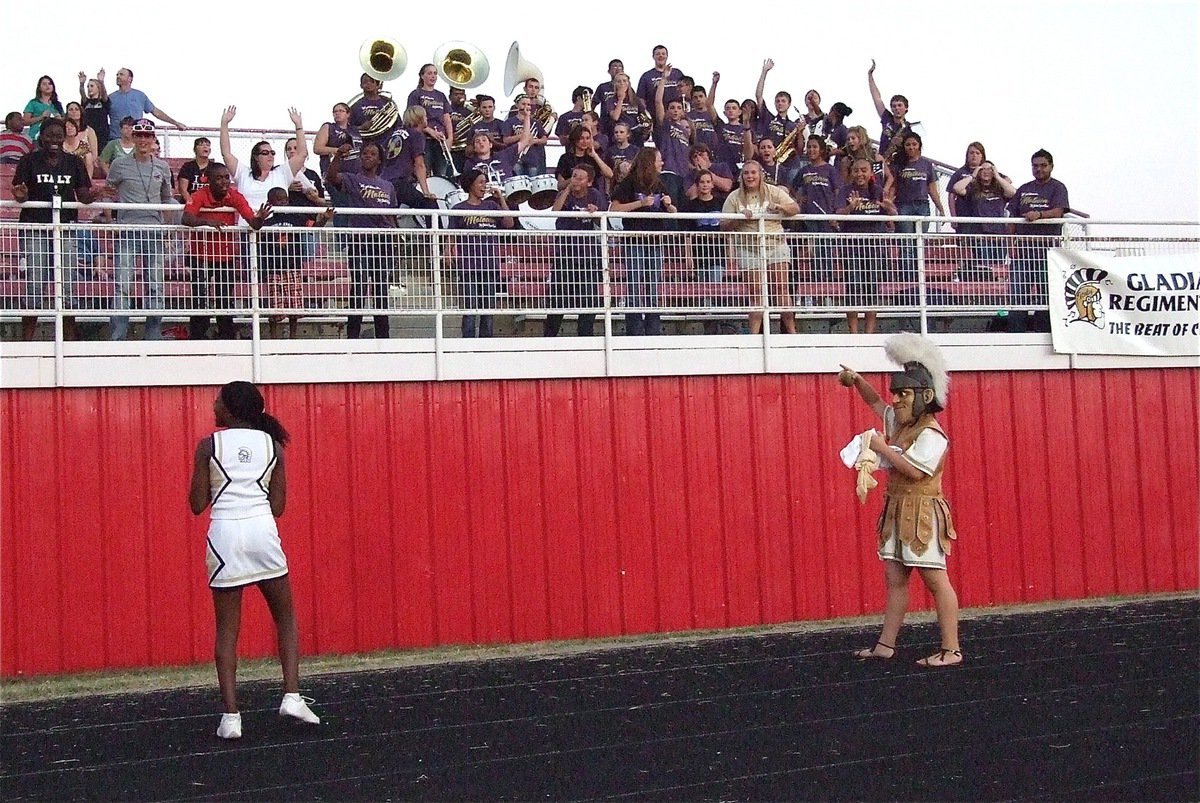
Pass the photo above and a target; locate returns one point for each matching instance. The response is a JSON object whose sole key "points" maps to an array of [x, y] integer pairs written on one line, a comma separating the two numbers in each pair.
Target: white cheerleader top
{"points": [[239, 473]]}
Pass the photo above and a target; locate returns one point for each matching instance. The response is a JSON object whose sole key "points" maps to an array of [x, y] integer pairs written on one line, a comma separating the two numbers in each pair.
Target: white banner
{"points": [[1105, 304]]}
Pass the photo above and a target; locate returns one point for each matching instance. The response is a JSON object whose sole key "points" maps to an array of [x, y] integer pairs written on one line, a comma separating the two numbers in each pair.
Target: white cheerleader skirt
{"points": [[244, 551]]}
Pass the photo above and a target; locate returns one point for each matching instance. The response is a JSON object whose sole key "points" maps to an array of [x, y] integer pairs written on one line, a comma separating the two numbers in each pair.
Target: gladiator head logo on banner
{"points": [[1085, 296]]}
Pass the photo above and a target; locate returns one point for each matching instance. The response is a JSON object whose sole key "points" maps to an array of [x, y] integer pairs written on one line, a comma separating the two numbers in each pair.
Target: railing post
{"points": [[255, 316], [435, 230], [56, 235], [606, 282], [922, 300], [764, 285]]}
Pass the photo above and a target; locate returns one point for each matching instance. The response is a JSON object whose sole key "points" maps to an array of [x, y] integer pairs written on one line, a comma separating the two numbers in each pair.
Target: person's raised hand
{"points": [[871, 71], [228, 115], [768, 65], [295, 117]]}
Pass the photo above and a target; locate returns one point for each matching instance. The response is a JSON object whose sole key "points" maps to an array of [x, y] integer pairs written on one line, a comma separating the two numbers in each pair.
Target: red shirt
{"points": [[210, 244]]}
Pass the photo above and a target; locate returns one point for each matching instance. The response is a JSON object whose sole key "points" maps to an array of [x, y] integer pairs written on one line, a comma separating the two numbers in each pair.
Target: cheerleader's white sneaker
{"points": [[230, 727], [293, 705]]}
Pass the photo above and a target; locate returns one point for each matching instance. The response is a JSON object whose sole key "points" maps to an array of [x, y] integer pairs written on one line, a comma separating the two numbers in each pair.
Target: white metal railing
{"points": [[599, 275]]}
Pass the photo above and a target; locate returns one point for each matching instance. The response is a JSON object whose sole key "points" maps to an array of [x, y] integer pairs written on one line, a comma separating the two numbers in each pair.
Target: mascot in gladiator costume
{"points": [[915, 529]]}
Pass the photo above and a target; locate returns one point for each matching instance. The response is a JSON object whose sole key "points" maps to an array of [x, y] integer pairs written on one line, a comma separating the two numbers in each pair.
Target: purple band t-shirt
{"points": [[870, 208], [912, 181], [819, 186], [369, 192], [435, 104]]}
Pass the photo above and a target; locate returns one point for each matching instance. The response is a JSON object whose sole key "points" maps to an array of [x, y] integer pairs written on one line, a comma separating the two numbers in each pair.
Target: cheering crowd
{"points": [[657, 146]]}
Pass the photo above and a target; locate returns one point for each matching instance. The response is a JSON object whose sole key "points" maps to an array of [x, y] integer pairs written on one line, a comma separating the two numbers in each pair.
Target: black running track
{"points": [[1090, 703]]}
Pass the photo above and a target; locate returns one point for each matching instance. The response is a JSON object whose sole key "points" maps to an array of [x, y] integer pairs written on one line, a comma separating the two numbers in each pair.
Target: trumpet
{"points": [[587, 101], [542, 114]]}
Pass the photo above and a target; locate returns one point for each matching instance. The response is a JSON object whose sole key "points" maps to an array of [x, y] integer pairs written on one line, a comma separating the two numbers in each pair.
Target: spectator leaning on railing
{"points": [[142, 178], [43, 175]]}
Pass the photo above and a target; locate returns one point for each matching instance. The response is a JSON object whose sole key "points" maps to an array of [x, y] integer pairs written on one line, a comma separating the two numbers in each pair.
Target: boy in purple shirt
{"points": [[894, 120], [660, 73], [672, 133]]}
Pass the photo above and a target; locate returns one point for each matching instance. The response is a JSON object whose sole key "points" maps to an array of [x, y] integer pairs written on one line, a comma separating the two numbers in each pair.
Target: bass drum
{"points": [[441, 188], [535, 222], [545, 190]]}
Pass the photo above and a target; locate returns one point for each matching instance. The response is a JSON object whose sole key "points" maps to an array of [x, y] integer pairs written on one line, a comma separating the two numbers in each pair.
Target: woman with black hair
{"points": [[239, 470], [43, 105]]}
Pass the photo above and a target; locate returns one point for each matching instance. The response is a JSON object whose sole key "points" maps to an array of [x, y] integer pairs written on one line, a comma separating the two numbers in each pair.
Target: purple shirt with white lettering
{"points": [[870, 208], [369, 192], [435, 104], [703, 129], [364, 109], [615, 155], [891, 129], [478, 251], [983, 203], [818, 186], [593, 197], [912, 181], [730, 139], [567, 121], [503, 162], [672, 141], [1035, 197], [647, 87]]}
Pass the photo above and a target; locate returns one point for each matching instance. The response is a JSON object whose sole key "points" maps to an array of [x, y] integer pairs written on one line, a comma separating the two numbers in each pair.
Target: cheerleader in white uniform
{"points": [[239, 471]]}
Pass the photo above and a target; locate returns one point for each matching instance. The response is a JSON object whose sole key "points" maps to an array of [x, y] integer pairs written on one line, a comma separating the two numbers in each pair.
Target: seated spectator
{"points": [[858, 146], [283, 248], [916, 184], [753, 200], [816, 188], [700, 160], [864, 259], [213, 257], [43, 175], [141, 178], [96, 107], [476, 256], [976, 154], [13, 142], [706, 250], [893, 118], [121, 146], [75, 115], [984, 193], [194, 173], [256, 180], [42, 106], [130, 102], [578, 270]]}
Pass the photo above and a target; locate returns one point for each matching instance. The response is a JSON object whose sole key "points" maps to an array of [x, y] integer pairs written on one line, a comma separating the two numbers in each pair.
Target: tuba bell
{"points": [[461, 64], [383, 59], [517, 70]]}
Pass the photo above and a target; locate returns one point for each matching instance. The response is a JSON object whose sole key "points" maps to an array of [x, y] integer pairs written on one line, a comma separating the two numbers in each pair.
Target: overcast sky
{"points": [[1110, 88]]}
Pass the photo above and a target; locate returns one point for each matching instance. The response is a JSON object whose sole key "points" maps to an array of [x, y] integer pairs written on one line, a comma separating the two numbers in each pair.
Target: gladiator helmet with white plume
{"points": [[924, 369]]}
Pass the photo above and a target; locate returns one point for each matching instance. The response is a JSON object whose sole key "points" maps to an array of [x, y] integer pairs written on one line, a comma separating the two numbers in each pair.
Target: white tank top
{"points": [[240, 473]]}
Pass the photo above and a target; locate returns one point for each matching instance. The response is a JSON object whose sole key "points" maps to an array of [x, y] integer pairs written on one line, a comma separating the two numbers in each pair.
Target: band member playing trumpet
{"points": [[476, 257], [515, 128], [439, 127], [581, 101], [372, 252]]}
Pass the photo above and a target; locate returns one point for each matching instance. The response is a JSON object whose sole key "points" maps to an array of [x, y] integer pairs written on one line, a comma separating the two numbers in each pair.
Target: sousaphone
{"points": [[461, 64]]}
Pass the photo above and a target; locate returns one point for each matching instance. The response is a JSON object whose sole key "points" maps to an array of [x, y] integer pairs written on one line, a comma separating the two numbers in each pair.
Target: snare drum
{"points": [[545, 190], [517, 190], [455, 198]]}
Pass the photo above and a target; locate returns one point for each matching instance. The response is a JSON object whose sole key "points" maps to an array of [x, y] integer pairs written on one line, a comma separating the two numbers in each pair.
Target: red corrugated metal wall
{"points": [[502, 511]]}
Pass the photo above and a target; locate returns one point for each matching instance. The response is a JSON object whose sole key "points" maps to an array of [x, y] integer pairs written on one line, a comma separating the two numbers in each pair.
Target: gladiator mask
{"points": [[916, 377]]}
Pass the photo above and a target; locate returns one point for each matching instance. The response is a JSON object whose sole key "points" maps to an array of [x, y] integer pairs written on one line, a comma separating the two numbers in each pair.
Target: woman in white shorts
{"points": [[239, 471], [755, 199]]}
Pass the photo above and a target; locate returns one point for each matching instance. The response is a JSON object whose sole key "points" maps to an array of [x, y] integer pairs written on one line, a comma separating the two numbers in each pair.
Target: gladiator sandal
{"points": [[871, 655], [939, 661]]}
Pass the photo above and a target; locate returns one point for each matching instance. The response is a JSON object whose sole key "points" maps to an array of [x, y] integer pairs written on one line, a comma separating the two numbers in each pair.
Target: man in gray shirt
{"points": [[140, 178]]}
